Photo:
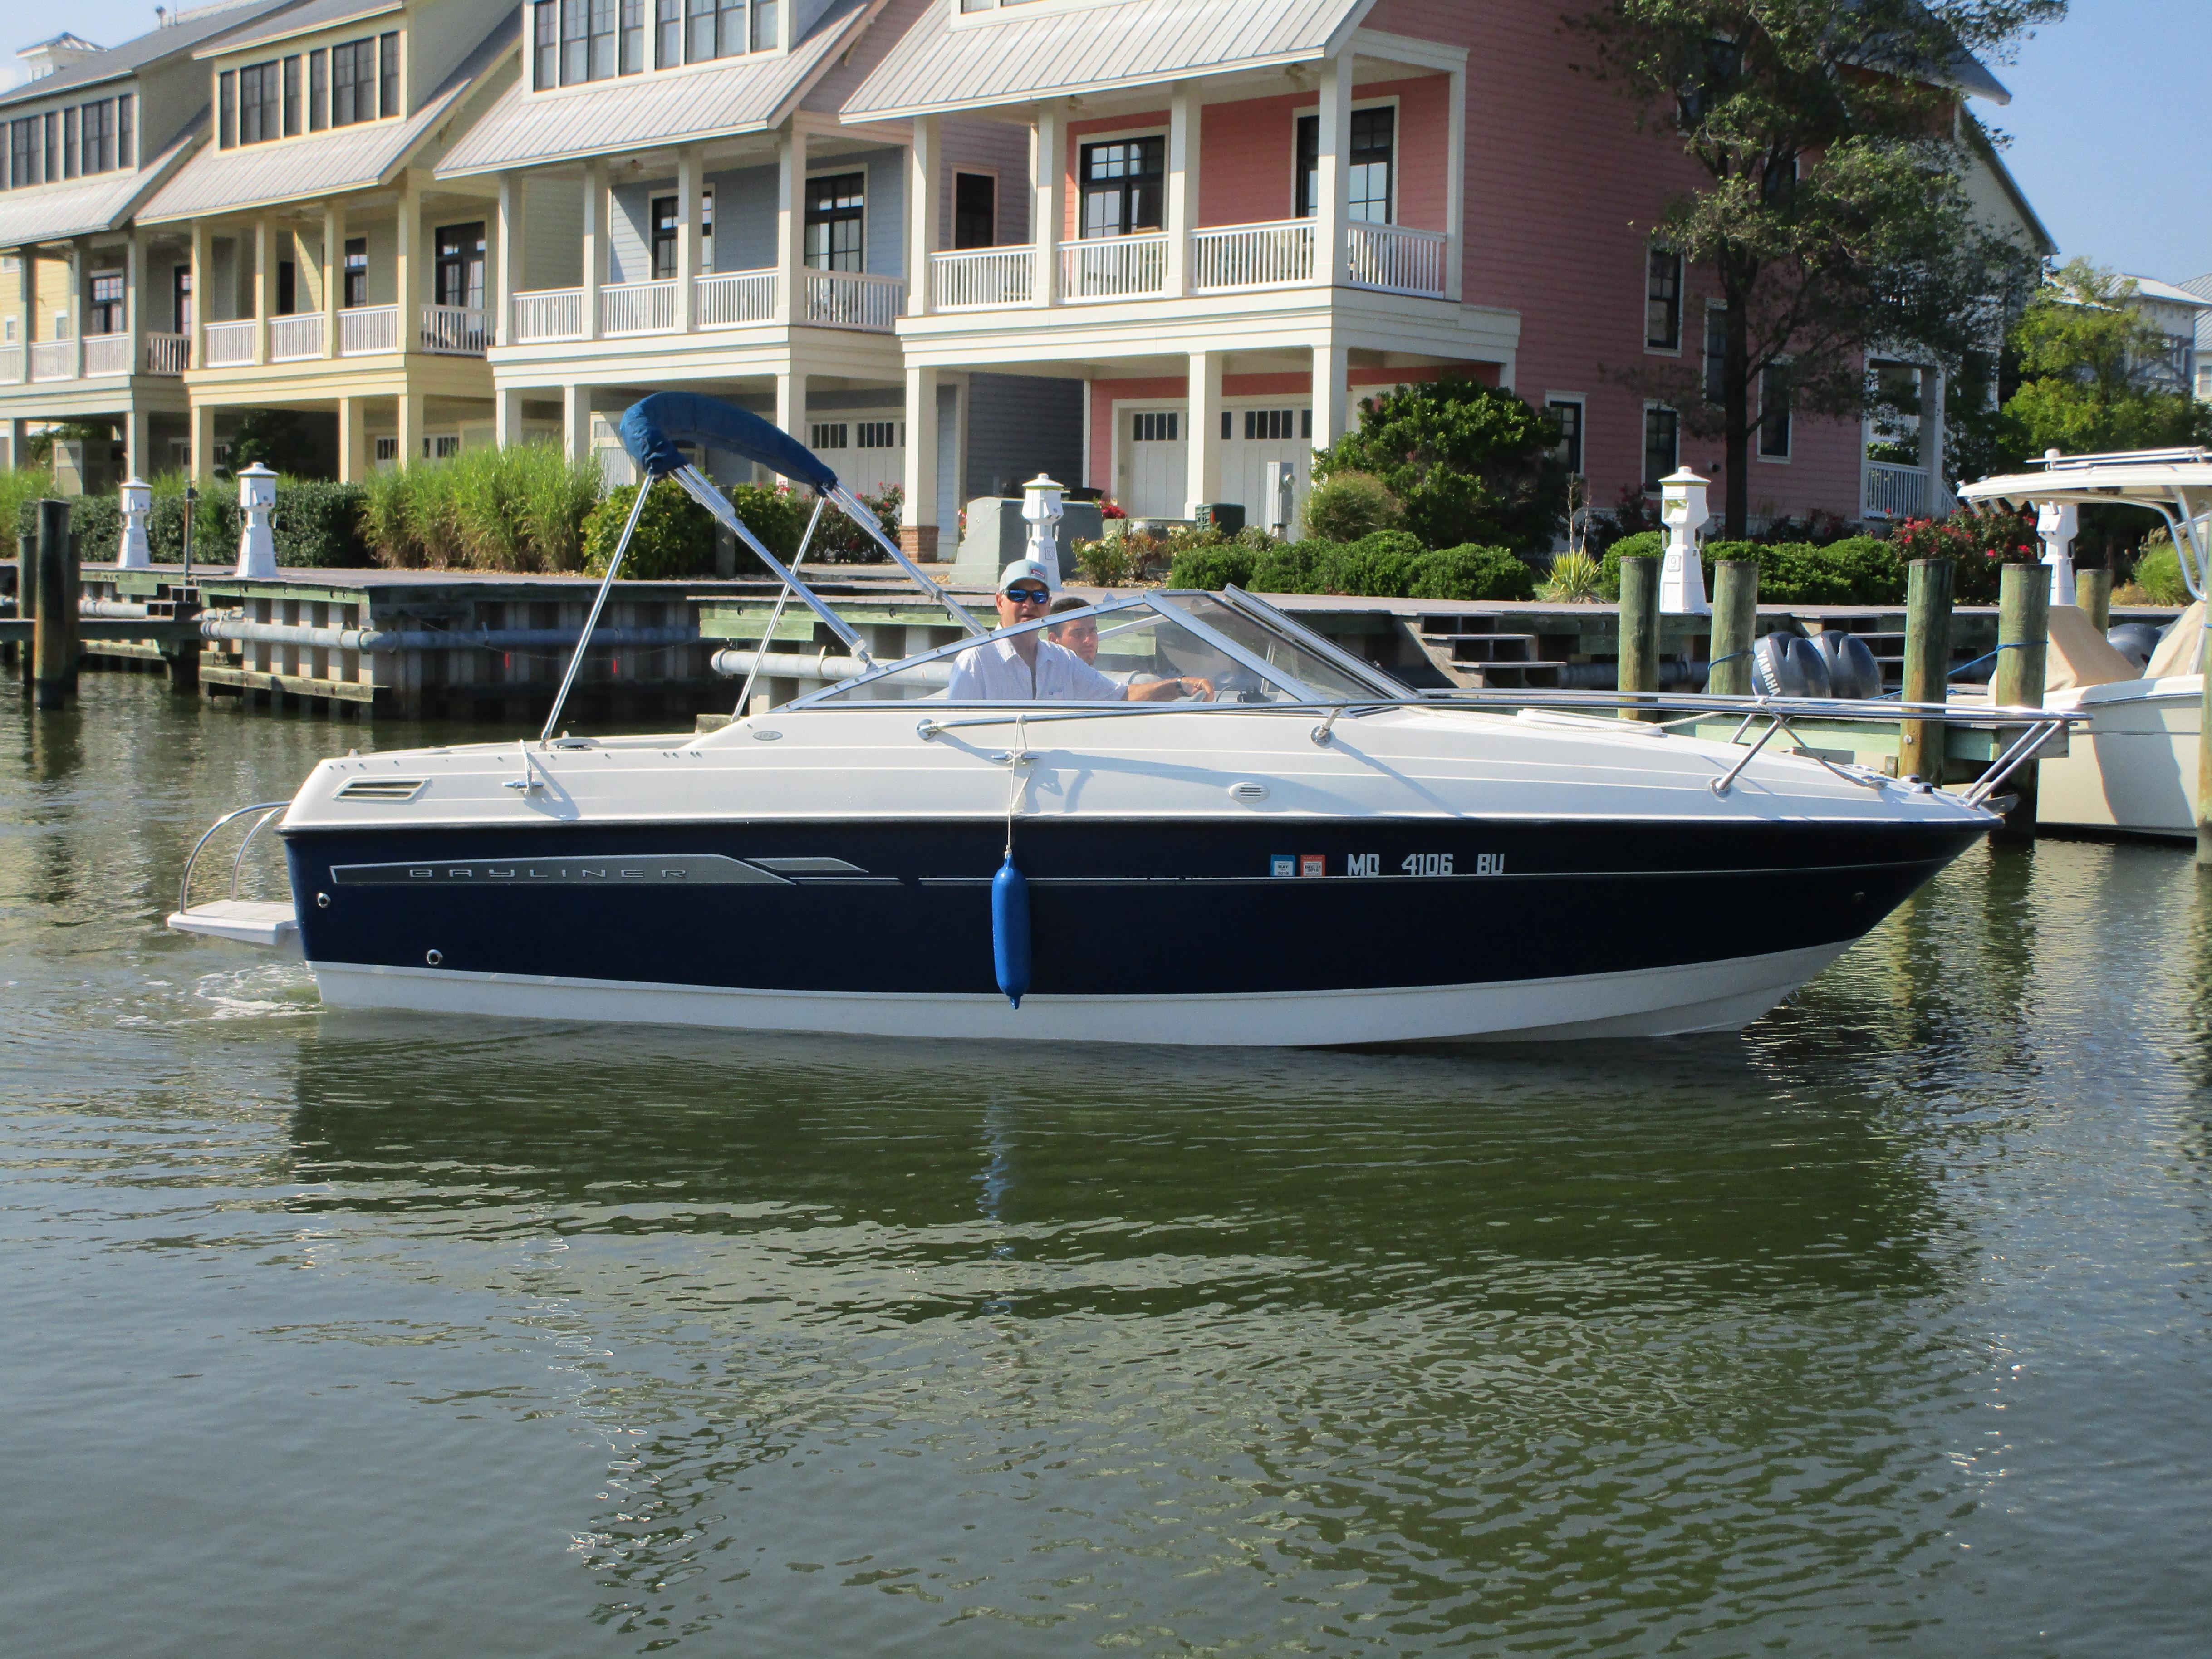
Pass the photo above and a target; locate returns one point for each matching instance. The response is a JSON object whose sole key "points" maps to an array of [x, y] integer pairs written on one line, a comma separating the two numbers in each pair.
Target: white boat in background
{"points": [[2132, 769]]}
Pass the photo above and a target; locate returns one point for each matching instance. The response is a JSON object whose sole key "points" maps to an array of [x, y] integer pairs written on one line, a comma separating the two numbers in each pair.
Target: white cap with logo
{"points": [[1028, 570]]}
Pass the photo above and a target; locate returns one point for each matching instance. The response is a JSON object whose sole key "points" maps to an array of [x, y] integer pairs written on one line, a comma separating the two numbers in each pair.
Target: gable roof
{"points": [[342, 158], [149, 47], [2150, 288], [1013, 56], [313, 15], [643, 112]]}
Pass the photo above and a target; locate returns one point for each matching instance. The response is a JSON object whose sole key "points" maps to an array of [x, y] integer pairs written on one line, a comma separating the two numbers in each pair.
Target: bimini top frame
{"points": [[652, 430], [2174, 483]]}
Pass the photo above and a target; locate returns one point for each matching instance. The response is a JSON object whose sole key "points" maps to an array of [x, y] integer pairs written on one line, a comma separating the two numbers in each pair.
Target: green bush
{"points": [[1643, 545], [674, 538], [520, 508], [1348, 505], [2158, 573], [1473, 572], [1223, 565], [1857, 570], [316, 523], [1573, 579], [1466, 463], [777, 516], [839, 540], [1107, 563], [1387, 564]]}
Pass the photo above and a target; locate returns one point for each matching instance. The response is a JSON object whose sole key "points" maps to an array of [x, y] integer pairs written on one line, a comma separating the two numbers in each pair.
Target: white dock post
{"points": [[135, 553], [2057, 523], [1682, 577], [1042, 509], [257, 543]]}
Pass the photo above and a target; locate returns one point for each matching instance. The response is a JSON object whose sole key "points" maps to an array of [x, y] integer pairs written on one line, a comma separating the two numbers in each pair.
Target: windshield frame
{"points": [[1159, 600]]}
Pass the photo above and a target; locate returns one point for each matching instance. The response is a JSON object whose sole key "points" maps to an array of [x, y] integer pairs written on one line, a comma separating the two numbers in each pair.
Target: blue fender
{"points": [[1010, 930]]}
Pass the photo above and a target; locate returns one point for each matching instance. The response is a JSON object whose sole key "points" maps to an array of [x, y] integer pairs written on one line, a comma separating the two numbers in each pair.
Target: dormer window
{"points": [[575, 41], [338, 86], [85, 138]]}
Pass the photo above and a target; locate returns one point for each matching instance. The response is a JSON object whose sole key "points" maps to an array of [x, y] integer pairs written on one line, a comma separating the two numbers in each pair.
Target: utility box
{"points": [[997, 535], [1227, 517]]}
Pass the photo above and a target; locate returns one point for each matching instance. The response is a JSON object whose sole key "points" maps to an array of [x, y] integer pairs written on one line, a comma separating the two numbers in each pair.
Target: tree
{"points": [[1832, 216], [2082, 348], [1466, 463]]}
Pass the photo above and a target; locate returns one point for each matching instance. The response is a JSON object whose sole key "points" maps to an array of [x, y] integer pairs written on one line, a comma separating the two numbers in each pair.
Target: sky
{"points": [[2107, 124]]}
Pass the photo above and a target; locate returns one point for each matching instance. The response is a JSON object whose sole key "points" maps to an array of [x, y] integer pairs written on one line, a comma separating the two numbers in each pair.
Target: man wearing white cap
{"points": [[1027, 667]]}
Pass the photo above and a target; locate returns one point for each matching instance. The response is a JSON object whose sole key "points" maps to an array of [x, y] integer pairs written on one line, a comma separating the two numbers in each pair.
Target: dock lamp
{"points": [[1042, 510], [135, 553], [256, 540], [1682, 577]]}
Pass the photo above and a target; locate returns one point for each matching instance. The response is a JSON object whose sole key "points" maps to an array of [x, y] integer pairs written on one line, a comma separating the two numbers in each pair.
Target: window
{"points": [[1228, 425], [1270, 425], [706, 228], [357, 271], [180, 298], [460, 265], [699, 31], [126, 149], [260, 97], [667, 34], [664, 238], [96, 138], [975, 210], [602, 67], [69, 142], [1662, 300], [731, 39], [104, 314], [318, 91], [1566, 414], [1367, 164], [292, 111], [546, 44], [575, 42], [764, 25], [1124, 186], [1774, 412], [1157, 426], [878, 434], [1715, 354], [388, 73], [442, 446], [288, 288], [353, 83], [1662, 445], [24, 162], [828, 434], [632, 36], [833, 222], [387, 449]]}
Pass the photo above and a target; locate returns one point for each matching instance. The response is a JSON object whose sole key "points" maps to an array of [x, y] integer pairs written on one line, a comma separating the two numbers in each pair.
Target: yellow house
{"points": [[335, 281]]}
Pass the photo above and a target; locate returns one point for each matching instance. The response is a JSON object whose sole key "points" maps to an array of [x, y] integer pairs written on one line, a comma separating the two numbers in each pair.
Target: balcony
{"points": [[734, 299], [104, 354], [1896, 492], [292, 339], [230, 345], [11, 365], [54, 360], [168, 354], [1221, 260], [454, 330]]}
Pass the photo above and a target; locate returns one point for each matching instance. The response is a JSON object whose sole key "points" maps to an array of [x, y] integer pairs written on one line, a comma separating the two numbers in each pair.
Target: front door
{"points": [[180, 298], [1154, 463]]}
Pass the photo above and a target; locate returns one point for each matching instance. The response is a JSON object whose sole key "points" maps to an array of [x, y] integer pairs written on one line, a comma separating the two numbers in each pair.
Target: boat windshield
{"points": [[1192, 638]]}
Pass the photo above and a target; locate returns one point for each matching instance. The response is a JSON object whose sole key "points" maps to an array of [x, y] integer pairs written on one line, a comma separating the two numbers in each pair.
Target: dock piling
{"points": [[1927, 666], [2093, 591], [1639, 668], [27, 602], [1735, 627], [53, 635], [2023, 645]]}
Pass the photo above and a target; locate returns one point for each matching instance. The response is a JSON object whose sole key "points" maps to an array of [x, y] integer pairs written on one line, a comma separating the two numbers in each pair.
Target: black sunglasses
{"points": [[1029, 595]]}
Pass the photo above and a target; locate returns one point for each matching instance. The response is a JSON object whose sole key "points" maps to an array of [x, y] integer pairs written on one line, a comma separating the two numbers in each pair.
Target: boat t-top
{"points": [[1305, 851]]}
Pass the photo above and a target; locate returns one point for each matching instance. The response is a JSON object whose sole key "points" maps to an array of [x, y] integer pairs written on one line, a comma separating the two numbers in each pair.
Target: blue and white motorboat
{"points": [[1317, 855]]}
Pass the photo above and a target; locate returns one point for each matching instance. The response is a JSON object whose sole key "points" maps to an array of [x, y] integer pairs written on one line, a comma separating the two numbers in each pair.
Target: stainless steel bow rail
{"points": [[268, 809]]}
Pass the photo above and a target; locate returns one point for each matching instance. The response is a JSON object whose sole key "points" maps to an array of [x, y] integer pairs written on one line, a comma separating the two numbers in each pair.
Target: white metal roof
{"points": [[345, 158], [46, 213], [1012, 56], [738, 94], [148, 48], [2150, 288], [313, 15]]}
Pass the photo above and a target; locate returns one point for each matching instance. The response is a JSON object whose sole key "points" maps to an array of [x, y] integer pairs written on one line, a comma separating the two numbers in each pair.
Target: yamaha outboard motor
{"points": [[2135, 642], [1789, 666], [1852, 670]]}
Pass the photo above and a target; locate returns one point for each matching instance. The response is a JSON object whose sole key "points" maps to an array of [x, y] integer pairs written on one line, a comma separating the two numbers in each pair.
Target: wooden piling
{"points": [[1735, 627], [2023, 644], [27, 601], [1639, 631], [1927, 666], [2093, 591], [53, 632]]}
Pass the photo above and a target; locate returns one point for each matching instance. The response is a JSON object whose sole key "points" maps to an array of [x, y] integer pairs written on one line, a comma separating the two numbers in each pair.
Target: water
{"points": [[1883, 1325]]}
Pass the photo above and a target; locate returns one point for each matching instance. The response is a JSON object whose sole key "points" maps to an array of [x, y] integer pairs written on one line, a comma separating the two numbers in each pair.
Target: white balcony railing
{"points": [[638, 309], [229, 344], [854, 299], [1252, 256], [548, 314], [976, 279], [54, 360], [292, 339], [368, 330], [1113, 267], [168, 354], [454, 330], [731, 299], [107, 354], [1396, 258], [11, 365], [1895, 492]]}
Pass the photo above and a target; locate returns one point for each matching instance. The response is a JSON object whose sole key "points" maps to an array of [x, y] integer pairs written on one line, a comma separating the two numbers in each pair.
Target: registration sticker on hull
{"points": [[1313, 864], [1282, 864]]}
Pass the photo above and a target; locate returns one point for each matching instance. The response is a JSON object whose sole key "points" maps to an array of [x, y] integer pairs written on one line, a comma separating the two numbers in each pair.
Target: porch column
{"points": [[134, 303], [687, 239], [410, 428], [595, 243], [1332, 188], [790, 400], [77, 249], [506, 238], [790, 229], [264, 285], [1455, 185], [1048, 194], [195, 336], [353, 439], [918, 524], [25, 307], [19, 442], [407, 285], [1182, 184], [334, 236], [921, 235], [137, 441], [507, 417], [576, 421], [1203, 470], [1332, 397], [203, 438]]}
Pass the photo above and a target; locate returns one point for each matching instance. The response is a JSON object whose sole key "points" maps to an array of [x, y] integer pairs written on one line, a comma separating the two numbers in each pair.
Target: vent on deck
{"points": [[381, 789]]}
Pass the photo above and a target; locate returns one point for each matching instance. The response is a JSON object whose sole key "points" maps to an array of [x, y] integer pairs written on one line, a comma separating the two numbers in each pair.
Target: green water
{"points": [[1882, 1326]]}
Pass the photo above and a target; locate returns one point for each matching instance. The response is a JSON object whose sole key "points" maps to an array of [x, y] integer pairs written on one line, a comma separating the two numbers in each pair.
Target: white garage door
{"points": [[1152, 463]]}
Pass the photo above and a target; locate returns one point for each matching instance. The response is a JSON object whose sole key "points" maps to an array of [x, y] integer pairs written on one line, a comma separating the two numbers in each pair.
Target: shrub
{"points": [[775, 515], [1350, 504], [675, 536], [1979, 541], [1107, 563], [553, 495], [19, 486], [518, 507], [2158, 573], [316, 523], [1388, 564], [1223, 565], [1573, 580], [838, 540], [1642, 545], [1472, 571], [1466, 463]]}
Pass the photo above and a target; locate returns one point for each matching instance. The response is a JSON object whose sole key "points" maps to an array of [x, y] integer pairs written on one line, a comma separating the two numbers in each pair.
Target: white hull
{"points": [[1714, 996], [2133, 768]]}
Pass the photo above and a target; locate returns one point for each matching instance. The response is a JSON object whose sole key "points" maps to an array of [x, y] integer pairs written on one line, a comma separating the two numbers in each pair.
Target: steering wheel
{"points": [[1239, 685]]}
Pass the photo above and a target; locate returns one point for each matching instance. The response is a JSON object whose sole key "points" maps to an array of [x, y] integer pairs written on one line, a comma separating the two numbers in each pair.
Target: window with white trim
{"points": [[1663, 445], [1774, 412], [1566, 414], [879, 435], [1662, 300]]}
